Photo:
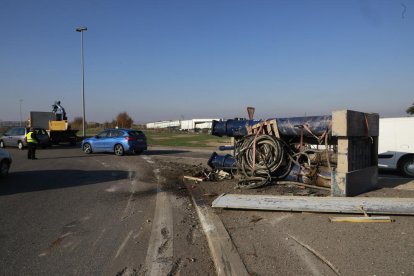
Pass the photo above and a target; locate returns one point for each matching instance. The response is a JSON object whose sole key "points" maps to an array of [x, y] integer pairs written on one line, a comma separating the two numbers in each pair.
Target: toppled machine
{"points": [[338, 152]]}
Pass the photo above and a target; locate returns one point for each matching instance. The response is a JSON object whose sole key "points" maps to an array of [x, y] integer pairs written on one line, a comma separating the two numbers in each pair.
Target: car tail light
{"points": [[128, 138]]}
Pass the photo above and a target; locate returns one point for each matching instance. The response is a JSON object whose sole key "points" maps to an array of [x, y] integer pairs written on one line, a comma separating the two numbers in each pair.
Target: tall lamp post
{"points": [[81, 30]]}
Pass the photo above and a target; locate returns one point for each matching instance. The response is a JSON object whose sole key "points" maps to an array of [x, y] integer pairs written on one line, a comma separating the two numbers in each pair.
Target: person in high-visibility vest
{"points": [[31, 141]]}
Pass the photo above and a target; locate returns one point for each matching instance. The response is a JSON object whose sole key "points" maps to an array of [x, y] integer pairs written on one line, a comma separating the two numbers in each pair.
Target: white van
{"points": [[396, 144]]}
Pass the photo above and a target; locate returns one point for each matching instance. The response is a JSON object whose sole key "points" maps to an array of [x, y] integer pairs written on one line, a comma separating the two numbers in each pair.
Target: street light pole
{"points": [[81, 30]]}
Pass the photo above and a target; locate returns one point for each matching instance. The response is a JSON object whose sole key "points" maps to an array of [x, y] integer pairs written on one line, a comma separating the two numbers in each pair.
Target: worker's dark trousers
{"points": [[31, 151]]}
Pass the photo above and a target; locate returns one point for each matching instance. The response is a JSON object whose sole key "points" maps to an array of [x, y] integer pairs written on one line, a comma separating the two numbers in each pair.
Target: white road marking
{"points": [[129, 208], [123, 244], [112, 189], [101, 162], [148, 159], [159, 260]]}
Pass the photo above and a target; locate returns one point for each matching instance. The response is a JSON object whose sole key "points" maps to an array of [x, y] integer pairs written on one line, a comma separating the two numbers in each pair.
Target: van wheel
{"points": [[406, 165], [20, 145]]}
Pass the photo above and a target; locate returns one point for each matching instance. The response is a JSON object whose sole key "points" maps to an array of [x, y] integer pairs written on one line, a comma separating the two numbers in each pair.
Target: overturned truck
{"points": [[338, 152]]}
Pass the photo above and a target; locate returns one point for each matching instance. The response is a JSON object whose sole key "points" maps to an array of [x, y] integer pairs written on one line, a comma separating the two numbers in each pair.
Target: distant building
{"points": [[189, 125], [11, 123], [164, 124]]}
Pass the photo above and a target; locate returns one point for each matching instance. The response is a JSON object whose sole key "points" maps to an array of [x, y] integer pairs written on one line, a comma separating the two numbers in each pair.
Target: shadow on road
{"points": [[31, 181], [163, 152], [392, 179]]}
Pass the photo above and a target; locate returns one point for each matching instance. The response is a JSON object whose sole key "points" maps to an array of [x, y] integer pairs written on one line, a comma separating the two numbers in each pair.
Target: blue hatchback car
{"points": [[118, 141]]}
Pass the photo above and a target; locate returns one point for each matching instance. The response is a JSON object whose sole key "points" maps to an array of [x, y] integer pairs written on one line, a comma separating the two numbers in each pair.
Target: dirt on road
{"points": [[295, 243]]}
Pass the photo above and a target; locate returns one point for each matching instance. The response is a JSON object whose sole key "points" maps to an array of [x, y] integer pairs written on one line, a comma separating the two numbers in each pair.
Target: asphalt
{"points": [[298, 243]]}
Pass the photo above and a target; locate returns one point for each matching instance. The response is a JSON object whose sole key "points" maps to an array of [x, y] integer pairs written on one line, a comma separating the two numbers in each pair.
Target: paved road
{"points": [[99, 214], [76, 214]]}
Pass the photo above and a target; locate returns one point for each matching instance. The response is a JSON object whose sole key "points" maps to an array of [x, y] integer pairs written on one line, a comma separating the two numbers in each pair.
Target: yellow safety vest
{"points": [[29, 138]]}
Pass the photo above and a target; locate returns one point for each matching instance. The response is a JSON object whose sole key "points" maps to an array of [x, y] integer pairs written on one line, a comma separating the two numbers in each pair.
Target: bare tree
{"points": [[123, 120], [77, 123], [410, 110], [107, 124]]}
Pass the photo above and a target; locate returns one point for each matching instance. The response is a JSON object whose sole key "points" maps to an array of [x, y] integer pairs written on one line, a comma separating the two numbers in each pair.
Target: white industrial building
{"points": [[164, 124], [190, 125]]}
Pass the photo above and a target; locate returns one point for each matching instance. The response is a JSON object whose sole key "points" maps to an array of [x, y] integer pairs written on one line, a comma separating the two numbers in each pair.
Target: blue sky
{"points": [[161, 60]]}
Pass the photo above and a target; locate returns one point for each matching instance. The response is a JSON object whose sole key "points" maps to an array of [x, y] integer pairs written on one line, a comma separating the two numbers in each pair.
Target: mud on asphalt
{"points": [[269, 243]]}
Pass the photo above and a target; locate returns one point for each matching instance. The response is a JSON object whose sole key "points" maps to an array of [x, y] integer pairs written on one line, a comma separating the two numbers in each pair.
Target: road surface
{"points": [[99, 214]]}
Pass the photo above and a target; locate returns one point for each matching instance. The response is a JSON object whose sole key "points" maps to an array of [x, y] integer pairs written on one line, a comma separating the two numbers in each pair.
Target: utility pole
{"points": [[81, 30]]}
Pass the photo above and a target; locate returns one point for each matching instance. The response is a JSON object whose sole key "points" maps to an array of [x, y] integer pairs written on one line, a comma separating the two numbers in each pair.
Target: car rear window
{"points": [[20, 131], [136, 133]]}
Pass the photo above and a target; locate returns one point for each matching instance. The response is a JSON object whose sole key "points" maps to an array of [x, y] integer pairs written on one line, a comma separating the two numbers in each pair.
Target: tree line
{"points": [[122, 120], [410, 110]]}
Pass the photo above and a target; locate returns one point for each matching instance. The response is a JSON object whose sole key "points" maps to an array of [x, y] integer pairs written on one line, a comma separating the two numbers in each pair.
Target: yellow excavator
{"points": [[55, 123]]}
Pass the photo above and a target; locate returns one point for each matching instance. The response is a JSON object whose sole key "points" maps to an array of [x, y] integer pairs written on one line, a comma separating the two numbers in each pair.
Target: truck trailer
{"points": [[59, 131]]}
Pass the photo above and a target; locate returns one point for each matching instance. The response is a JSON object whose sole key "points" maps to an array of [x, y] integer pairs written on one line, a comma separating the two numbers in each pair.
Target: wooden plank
{"points": [[361, 219], [371, 205], [275, 129], [352, 123]]}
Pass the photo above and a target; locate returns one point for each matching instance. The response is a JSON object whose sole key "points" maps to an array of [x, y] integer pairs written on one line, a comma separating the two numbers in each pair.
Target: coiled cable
{"points": [[261, 158]]}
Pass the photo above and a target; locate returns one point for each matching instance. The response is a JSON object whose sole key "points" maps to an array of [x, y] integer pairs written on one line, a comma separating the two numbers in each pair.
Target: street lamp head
{"points": [[81, 29]]}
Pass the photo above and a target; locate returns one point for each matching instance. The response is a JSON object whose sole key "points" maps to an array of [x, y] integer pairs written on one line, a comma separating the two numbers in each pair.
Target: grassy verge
{"points": [[184, 139], [173, 138]]}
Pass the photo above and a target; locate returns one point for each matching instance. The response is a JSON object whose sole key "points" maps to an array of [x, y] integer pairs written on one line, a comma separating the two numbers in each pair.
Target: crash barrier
{"points": [[338, 151]]}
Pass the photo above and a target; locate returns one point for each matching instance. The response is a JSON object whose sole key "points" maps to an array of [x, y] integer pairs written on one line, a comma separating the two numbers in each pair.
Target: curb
{"points": [[222, 250]]}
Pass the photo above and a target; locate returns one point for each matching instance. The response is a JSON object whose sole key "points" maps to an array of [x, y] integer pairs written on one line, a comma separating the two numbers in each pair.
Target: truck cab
{"points": [[396, 144]]}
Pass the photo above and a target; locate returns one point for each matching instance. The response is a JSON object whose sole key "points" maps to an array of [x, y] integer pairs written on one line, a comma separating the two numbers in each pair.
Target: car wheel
{"points": [[406, 165], [20, 145], [119, 150], [4, 168], [2, 145], [87, 148]]}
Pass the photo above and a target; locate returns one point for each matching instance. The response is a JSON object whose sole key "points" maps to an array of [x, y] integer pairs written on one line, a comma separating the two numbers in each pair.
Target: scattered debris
{"points": [[211, 194], [365, 218], [256, 219], [302, 185], [330, 152], [314, 252], [196, 179]]}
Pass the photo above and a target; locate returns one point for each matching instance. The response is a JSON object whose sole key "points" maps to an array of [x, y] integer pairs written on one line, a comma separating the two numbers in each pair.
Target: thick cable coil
{"points": [[260, 159]]}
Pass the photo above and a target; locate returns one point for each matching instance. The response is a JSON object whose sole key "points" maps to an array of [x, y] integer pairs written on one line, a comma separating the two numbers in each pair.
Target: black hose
{"points": [[271, 161]]}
